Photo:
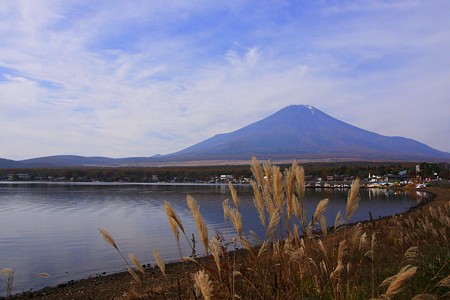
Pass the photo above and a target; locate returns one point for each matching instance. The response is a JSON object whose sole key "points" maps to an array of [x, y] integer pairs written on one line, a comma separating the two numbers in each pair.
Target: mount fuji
{"points": [[294, 132]]}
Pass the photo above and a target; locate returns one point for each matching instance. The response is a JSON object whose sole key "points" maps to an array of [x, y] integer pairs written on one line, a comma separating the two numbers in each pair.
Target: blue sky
{"points": [[137, 78]]}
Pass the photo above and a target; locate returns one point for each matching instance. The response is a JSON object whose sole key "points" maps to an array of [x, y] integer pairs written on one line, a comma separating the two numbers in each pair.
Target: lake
{"points": [[53, 227]]}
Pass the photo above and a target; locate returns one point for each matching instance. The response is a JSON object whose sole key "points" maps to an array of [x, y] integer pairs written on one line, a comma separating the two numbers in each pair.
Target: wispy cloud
{"points": [[140, 78]]}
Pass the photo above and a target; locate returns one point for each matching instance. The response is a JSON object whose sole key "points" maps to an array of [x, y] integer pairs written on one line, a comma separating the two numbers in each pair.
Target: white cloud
{"points": [[134, 79]]}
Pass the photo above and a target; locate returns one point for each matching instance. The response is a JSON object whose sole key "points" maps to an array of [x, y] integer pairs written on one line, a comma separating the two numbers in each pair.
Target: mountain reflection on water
{"points": [[53, 228]]}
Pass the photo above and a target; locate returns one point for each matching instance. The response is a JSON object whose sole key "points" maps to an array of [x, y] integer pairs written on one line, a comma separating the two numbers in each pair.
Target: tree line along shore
{"points": [[338, 171]]}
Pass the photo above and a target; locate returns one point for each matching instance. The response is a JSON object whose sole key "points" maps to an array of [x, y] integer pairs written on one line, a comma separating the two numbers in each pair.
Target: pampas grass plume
{"points": [[259, 203], [171, 214], [319, 210], [134, 275], [136, 263], [234, 195], [352, 199], [159, 261], [398, 280], [203, 283], [108, 238], [199, 221]]}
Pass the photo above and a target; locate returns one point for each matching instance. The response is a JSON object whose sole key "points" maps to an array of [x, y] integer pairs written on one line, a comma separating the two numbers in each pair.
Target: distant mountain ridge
{"points": [[294, 132]]}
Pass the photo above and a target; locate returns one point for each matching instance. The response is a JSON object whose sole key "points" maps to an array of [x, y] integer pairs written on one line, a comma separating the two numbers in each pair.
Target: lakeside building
{"points": [[226, 177]]}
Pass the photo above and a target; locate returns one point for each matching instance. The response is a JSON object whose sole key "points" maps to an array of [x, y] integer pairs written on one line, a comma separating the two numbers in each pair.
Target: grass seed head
{"points": [[259, 203], [159, 261], [352, 199], [108, 238], [6, 271], [257, 171], [236, 220], [203, 284], [300, 178], [216, 251], [136, 263], [226, 209], [338, 221], [134, 275], [234, 195], [411, 254], [319, 210], [273, 222], [396, 284], [323, 225], [199, 221], [172, 215], [444, 282]]}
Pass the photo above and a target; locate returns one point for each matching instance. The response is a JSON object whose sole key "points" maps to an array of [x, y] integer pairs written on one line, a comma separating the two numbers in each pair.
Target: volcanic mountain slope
{"points": [[295, 132], [303, 131]]}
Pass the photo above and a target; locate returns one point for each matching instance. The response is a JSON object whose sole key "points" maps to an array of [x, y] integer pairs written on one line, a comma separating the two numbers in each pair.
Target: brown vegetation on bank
{"points": [[402, 257]]}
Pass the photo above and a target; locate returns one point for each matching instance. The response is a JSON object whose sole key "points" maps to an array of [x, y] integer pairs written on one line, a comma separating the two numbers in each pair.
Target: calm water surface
{"points": [[53, 228]]}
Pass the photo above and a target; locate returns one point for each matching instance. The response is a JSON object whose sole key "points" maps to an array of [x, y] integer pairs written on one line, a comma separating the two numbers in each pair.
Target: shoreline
{"points": [[118, 285]]}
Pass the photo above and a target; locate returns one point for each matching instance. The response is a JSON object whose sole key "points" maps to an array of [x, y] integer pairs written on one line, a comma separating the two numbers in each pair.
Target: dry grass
{"points": [[159, 261], [203, 284], [9, 281], [202, 229], [293, 260]]}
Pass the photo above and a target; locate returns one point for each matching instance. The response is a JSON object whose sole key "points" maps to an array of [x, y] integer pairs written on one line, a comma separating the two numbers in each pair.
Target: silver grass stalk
{"points": [[322, 248], [174, 223], [342, 250], [236, 220], [247, 246], [257, 171], [319, 210], [335, 274], [444, 282], [108, 238], [202, 282], [170, 213], [411, 254], [289, 188], [357, 234], [300, 178], [300, 207], [363, 241], [259, 203], [263, 248], [226, 209], [296, 233], [268, 186], [352, 199], [338, 221], [255, 237], [6, 271], [202, 229], [134, 275], [397, 284], [159, 261], [323, 225], [216, 251], [273, 222], [278, 188], [234, 195], [136, 263]]}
